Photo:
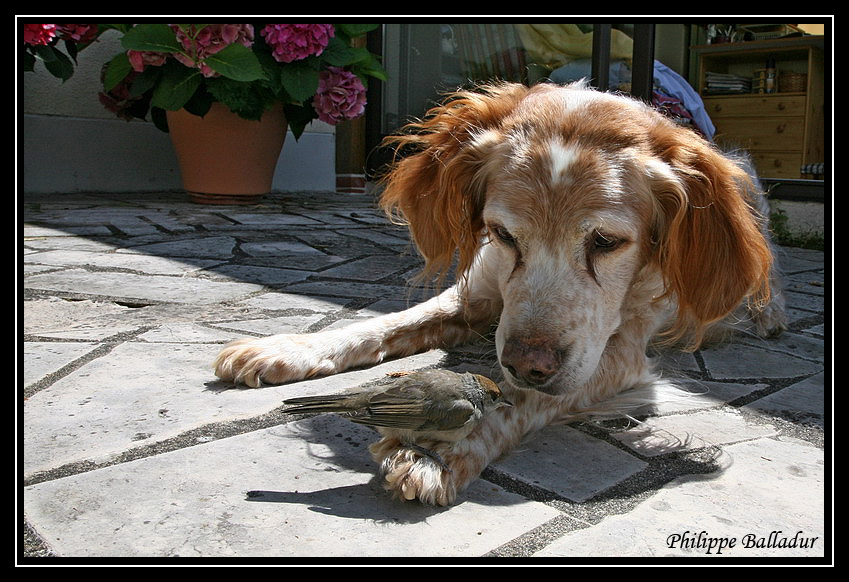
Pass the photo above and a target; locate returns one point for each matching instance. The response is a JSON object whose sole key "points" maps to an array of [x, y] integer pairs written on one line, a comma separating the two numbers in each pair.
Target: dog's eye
{"points": [[598, 245], [604, 243], [503, 234]]}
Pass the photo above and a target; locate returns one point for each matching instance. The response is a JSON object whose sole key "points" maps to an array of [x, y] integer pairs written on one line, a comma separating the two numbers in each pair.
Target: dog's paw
{"points": [[411, 474], [272, 360], [771, 321]]}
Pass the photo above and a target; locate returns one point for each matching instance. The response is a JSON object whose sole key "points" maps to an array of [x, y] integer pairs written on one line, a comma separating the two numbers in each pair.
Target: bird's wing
{"points": [[409, 408], [396, 407]]}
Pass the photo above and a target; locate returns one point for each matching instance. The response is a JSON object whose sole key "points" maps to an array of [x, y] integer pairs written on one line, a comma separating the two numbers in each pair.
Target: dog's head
{"points": [[578, 198]]}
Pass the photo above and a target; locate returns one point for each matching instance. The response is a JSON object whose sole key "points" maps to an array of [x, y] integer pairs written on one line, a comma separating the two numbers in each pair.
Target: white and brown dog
{"points": [[585, 225]]}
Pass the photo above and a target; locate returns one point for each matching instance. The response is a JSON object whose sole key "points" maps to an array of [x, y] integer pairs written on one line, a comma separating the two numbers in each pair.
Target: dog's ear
{"points": [[710, 246], [438, 190]]}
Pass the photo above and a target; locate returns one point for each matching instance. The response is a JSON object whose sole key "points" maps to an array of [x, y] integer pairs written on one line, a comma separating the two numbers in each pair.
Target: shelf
{"points": [[781, 130], [746, 50]]}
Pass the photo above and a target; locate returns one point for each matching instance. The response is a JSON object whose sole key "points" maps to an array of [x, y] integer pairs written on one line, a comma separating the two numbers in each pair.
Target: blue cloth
{"points": [[674, 84]]}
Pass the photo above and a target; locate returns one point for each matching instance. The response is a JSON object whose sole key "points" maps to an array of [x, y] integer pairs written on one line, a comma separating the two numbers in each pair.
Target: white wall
{"points": [[71, 143]]}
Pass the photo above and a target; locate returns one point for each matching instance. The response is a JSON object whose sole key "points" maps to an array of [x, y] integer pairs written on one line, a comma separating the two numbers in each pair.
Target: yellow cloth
{"points": [[554, 45]]}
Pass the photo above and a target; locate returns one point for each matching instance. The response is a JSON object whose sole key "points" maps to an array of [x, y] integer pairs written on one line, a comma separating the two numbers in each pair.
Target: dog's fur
{"points": [[586, 225]]}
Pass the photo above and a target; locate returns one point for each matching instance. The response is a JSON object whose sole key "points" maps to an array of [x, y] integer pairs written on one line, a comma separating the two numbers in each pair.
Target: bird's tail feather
{"points": [[307, 404]]}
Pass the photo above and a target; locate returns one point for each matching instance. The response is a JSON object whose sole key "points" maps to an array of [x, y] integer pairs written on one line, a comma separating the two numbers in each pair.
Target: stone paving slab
{"points": [[132, 449], [129, 286], [296, 490], [761, 490]]}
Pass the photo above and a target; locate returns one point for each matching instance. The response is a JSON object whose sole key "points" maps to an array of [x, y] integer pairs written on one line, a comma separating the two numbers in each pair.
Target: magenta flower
{"points": [[294, 42], [341, 95], [79, 33], [141, 59], [35, 34], [199, 44]]}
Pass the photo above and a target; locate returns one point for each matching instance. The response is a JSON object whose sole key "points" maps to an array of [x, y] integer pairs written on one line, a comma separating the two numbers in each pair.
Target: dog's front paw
{"points": [[411, 474], [271, 360]]}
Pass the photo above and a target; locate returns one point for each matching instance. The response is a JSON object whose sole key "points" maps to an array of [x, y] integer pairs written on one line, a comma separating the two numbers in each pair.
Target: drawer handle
{"points": [[781, 128], [781, 107]]}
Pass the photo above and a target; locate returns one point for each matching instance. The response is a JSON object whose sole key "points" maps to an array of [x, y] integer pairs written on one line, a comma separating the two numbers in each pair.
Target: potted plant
{"points": [[199, 81]]}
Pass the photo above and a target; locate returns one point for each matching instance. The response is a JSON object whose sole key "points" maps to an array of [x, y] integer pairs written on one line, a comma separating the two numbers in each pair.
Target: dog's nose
{"points": [[533, 361]]}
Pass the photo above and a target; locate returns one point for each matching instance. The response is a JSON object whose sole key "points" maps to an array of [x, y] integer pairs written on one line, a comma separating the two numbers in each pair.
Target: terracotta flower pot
{"points": [[225, 159]]}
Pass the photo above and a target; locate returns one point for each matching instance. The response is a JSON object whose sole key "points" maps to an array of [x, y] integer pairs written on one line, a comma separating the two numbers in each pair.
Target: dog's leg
{"points": [[443, 321], [624, 383], [768, 320], [410, 475]]}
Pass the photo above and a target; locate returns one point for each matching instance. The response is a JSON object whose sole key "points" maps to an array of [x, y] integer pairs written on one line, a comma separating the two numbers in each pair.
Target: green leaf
{"points": [[358, 59], [60, 66], [116, 71], [246, 100], [340, 54], [355, 29], [151, 37], [200, 103], [176, 87], [45, 53], [300, 80], [192, 29], [147, 80], [120, 27], [71, 49], [370, 67], [159, 119], [236, 62], [272, 69], [298, 118]]}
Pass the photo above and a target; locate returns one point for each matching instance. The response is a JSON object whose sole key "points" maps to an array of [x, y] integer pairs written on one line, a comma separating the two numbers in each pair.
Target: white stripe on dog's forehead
{"points": [[562, 157]]}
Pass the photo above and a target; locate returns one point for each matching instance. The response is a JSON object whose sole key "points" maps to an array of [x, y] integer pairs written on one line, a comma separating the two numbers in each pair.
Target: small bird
{"points": [[434, 404]]}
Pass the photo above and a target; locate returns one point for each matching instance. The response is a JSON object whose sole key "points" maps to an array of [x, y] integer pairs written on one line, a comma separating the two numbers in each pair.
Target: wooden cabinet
{"points": [[783, 130]]}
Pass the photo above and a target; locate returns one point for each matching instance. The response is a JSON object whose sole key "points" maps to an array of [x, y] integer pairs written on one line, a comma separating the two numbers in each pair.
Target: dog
{"points": [[584, 225]]}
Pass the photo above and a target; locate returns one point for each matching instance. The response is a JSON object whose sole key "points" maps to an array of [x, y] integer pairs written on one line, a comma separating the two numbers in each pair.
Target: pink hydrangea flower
{"points": [[294, 42], [341, 95], [141, 59], [80, 33], [199, 44], [35, 34]]}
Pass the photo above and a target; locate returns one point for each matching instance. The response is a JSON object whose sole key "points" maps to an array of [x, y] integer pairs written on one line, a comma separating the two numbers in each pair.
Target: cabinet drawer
{"points": [[768, 133], [777, 164], [754, 106]]}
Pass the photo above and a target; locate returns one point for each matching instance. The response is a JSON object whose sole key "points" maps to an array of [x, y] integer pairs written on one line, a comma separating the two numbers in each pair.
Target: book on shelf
{"points": [[719, 83]]}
